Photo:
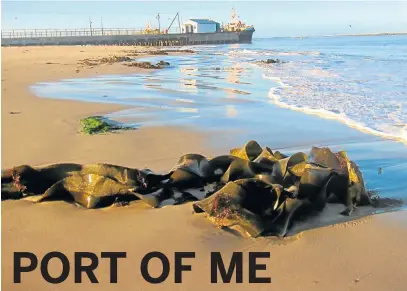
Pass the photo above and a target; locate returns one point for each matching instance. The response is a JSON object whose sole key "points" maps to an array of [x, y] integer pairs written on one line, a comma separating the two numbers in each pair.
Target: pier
{"points": [[123, 36]]}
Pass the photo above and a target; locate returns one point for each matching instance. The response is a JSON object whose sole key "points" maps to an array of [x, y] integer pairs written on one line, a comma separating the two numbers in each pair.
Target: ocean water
{"points": [[359, 81], [344, 92]]}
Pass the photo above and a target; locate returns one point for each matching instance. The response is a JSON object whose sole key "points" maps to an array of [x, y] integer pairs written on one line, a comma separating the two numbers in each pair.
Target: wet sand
{"points": [[367, 254], [43, 131]]}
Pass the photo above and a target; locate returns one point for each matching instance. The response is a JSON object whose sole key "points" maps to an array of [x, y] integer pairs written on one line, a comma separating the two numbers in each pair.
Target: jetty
{"points": [[44, 37], [192, 32]]}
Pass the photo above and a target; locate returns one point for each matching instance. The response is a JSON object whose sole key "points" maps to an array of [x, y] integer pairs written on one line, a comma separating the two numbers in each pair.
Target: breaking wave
{"points": [[395, 129], [271, 53]]}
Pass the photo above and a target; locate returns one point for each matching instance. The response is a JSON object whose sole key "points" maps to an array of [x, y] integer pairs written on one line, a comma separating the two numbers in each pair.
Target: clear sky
{"points": [[270, 18]]}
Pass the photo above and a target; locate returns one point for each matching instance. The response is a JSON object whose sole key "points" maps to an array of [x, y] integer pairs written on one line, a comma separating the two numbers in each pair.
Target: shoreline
{"points": [[366, 254], [325, 114], [51, 125]]}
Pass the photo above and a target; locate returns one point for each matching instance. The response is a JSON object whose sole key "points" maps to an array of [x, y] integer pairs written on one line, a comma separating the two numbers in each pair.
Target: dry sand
{"points": [[367, 254]]}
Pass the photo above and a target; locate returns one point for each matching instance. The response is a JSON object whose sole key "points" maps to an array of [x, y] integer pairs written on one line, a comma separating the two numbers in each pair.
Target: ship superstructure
{"points": [[236, 24], [244, 31]]}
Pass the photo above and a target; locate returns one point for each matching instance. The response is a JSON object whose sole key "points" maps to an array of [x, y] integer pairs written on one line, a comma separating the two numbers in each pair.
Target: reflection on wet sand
{"points": [[206, 89], [231, 111], [233, 78], [187, 82]]}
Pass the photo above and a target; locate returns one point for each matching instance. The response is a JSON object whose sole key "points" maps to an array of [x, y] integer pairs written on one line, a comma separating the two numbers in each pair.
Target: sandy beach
{"points": [[367, 254]]}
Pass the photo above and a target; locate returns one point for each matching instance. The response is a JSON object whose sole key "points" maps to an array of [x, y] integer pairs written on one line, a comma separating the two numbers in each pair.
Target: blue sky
{"points": [[270, 18]]}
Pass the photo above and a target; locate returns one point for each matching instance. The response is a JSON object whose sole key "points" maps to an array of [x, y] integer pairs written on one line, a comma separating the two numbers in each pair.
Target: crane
{"points": [[179, 24]]}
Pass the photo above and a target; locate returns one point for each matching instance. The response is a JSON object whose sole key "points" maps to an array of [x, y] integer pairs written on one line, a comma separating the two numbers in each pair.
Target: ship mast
{"points": [[235, 23], [234, 16]]}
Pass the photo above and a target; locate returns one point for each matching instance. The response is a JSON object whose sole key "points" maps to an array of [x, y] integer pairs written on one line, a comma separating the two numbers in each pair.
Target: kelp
{"points": [[98, 124], [255, 190]]}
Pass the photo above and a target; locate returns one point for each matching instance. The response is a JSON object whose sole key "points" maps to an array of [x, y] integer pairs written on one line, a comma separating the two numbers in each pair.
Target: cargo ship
{"points": [[244, 31], [191, 32]]}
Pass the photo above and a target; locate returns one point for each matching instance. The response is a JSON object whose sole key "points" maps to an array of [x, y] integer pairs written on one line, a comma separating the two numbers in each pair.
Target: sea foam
{"points": [[275, 96]]}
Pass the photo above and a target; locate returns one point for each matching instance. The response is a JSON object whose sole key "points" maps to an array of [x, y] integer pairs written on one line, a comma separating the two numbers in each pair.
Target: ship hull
{"points": [[246, 36]]}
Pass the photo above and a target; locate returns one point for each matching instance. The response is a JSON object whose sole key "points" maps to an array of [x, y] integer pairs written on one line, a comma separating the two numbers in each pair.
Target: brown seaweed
{"points": [[253, 189]]}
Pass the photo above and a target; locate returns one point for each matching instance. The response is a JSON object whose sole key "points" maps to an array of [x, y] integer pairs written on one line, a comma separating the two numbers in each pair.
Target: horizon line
{"points": [[334, 35]]}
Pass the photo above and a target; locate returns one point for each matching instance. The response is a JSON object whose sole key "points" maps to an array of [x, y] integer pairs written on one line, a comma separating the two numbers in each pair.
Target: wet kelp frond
{"points": [[253, 190]]}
